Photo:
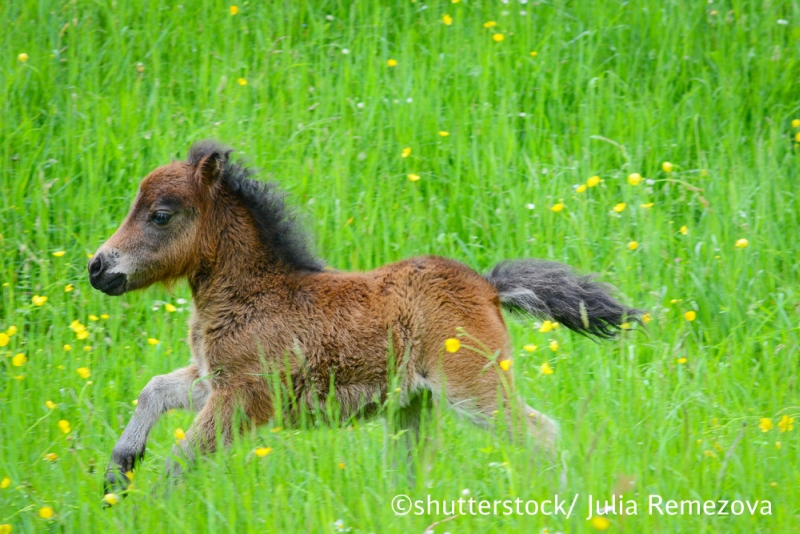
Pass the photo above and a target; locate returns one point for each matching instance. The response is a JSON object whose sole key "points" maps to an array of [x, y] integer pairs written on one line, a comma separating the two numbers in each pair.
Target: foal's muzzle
{"points": [[100, 278]]}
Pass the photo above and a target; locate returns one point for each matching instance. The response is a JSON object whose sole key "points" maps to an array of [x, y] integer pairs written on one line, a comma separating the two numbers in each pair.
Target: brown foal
{"points": [[264, 304]]}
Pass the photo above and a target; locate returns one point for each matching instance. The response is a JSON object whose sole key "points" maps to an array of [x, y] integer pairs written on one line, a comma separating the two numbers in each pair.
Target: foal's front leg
{"points": [[178, 389]]}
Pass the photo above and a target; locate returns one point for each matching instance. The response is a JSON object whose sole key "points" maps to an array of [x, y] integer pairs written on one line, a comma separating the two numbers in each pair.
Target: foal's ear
{"points": [[210, 167]]}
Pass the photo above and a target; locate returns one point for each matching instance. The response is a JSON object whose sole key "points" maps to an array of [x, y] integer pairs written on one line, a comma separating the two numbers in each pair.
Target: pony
{"points": [[264, 304]]}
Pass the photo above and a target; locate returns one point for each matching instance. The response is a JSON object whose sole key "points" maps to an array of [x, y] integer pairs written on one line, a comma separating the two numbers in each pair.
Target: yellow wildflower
{"points": [[581, 188], [241, 81], [646, 318], [23, 57], [625, 326], [51, 405], [600, 523], [633, 245], [635, 178], [742, 243], [51, 457], [765, 424], [505, 365], [797, 137], [19, 360], [6, 482], [406, 152], [392, 63], [135, 402], [546, 369], [67, 348], [341, 465], [45, 512], [647, 206], [104, 316], [180, 435], [684, 229], [534, 53], [546, 326], [414, 177], [11, 330], [234, 10], [76, 326], [83, 334], [111, 498], [59, 253], [593, 181], [452, 345], [796, 123], [170, 307], [682, 360], [84, 372], [4, 339], [94, 318], [38, 300], [557, 207], [498, 37], [554, 345], [778, 445], [447, 19], [619, 208], [667, 166], [262, 451], [6, 528], [489, 24], [68, 288], [87, 348], [786, 423], [64, 426], [153, 341], [530, 348], [690, 315], [444, 133]]}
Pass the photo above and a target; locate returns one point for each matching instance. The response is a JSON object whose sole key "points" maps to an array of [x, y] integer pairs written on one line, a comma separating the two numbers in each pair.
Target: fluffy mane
{"points": [[276, 222]]}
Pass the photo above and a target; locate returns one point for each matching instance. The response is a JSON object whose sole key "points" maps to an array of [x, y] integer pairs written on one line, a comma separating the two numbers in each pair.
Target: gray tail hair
{"points": [[551, 290]]}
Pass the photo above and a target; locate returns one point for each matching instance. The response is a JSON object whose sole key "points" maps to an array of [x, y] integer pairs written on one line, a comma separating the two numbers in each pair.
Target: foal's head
{"points": [[168, 227]]}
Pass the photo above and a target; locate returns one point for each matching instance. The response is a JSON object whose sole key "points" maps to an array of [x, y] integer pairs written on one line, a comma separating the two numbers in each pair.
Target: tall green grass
{"points": [[112, 89]]}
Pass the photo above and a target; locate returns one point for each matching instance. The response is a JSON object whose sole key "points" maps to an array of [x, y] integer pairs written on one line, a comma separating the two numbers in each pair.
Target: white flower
{"points": [[522, 114], [329, 17], [345, 51], [530, 206], [465, 492], [360, 105], [181, 301], [783, 22], [409, 100]]}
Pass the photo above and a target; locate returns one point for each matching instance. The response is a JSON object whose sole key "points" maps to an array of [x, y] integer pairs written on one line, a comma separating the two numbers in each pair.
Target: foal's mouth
{"points": [[113, 285]]}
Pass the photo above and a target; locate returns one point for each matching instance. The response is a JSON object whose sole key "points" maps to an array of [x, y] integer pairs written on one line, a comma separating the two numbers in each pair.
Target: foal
{"points": [[263, 303]]}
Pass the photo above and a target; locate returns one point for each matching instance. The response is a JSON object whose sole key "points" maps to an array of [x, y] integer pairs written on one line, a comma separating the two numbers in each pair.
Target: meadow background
{"points": [[536, 98]]}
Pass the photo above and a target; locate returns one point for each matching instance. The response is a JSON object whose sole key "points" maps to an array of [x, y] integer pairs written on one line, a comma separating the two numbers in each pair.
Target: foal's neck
{"points": [[235, 264]]}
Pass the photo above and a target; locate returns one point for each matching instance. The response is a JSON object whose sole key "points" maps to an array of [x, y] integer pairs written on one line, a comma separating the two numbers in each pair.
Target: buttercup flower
{"points": [[682, 360], [406, 152], [534, 53], [6, 482], [414, 177], [444, 133], [635, 178], [51, 457], [180, 435], [684, 229], [741, 243], [46, 512], [505, 365], [67, 348], [530, 348], [647, 206], [38, 300], [498, 37], [600, 523], [64, 426], [153, 341], [447, 19], [59, 253], [262, 451], [690, 315], [234, 10], [796, 123], [340, 465], [765, 424], [170, 307], [111, 498], [68, 288], [581, 188], [557, 207], [786, 423], [554, 345], [84, 372], [23, 57], [489, 24], [619, 208], [392, 63], [546, 369], [633, 245], [19, 360], [4, 339], [11, 330], [51, 405], [241, 81], [593, 181], [667, 166], [452, 345]]}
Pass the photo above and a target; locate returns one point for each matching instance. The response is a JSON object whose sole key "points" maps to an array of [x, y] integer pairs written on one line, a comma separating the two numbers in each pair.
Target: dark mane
{"points": [[276, 222]]}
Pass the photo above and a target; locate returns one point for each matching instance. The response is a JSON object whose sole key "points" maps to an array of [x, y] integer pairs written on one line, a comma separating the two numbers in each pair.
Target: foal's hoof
{"points": [[114, 487]]}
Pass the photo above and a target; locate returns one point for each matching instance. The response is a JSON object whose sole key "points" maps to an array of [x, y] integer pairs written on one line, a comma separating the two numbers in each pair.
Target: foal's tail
{"points": [[550, 290]]}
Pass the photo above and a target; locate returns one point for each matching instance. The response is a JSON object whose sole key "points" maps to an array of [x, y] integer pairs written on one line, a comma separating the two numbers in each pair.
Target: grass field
{"points": [[507, 109]]}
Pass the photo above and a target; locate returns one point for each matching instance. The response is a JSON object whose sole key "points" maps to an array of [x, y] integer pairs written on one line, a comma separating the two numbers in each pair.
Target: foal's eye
{"points": [[161, 217]]}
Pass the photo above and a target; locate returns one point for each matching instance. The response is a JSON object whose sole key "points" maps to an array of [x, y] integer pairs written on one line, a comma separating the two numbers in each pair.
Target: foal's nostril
{"points": [[96, 266]]}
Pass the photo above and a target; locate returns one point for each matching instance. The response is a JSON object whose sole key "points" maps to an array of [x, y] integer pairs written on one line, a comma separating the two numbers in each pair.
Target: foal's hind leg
{"points": [[178, 389]]}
